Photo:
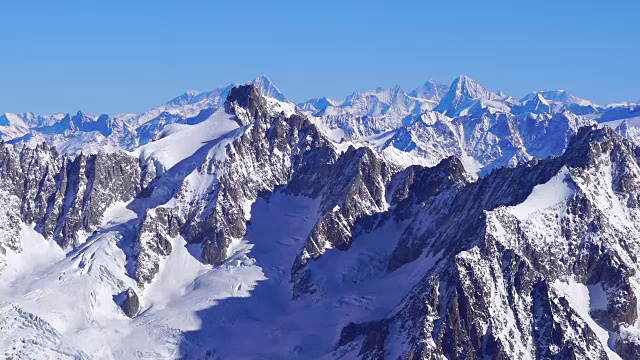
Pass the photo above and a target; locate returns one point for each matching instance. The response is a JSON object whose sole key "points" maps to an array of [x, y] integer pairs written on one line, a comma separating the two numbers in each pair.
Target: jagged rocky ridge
{"points": [[470, 124], [500, 286], [265, 151], [484, 128], [64, 197]]}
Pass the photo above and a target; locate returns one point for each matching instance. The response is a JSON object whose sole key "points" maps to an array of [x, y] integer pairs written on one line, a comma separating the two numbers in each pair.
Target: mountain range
{"points": [[449, 221]]}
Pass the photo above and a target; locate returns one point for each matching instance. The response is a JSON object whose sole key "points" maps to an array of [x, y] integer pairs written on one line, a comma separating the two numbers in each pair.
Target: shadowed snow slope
{"points": [[270, 323]]}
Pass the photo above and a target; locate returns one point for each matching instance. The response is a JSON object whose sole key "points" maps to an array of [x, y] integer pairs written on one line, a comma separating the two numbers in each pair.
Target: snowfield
{"points": [[544, 196], [178, 141]]}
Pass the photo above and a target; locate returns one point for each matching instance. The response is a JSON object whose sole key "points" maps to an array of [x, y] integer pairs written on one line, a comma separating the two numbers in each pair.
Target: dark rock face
{"points": [[130, 304], [426, 191], [152, 243], [416, 184], [9, 225], [374, 335], [362, 194], [266, 155], [354, 188], [148, 173], [459, 216], [627, 345], [247, 104], [64, 196]]}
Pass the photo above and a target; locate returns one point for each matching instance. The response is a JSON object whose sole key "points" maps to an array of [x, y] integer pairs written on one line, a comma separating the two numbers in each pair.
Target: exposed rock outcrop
{"points": [[66, 197], [130, 303]]}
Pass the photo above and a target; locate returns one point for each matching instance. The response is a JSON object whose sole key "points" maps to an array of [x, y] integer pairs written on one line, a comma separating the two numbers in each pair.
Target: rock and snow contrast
{"points": [[444, 222]]}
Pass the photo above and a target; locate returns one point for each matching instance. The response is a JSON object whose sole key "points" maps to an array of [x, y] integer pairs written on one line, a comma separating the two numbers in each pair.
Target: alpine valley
{"points": [[447, 222]]}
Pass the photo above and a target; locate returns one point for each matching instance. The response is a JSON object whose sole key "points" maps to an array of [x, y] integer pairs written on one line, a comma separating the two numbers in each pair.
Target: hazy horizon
{"points": [[129, 57]]}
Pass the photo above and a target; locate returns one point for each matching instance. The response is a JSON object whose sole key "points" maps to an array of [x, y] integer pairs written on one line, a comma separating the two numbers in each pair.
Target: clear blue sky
{"points": [[127, 56]]}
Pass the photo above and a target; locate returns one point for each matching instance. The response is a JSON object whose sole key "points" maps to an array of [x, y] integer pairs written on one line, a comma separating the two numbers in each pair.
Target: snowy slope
{"points": [[178, 141]]}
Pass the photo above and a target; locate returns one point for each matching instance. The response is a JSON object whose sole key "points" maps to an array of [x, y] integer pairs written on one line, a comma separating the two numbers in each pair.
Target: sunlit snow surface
{"points": [[180, 141], [544, 196]]}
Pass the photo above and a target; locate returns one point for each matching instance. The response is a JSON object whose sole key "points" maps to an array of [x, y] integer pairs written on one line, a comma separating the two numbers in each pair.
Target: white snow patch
{"points": [[280, 106], [181, 141], [37, 252], [117, 213], [471, 165], [177, 272], [544, 196], [578, 296]]}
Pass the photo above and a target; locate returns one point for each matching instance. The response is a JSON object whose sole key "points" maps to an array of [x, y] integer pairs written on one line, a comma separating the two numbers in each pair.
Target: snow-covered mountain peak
{"points": [[556, 101], [7, 119], [432, 117], [191, 93], [318, 104], [463, 85], [562, 96], [80, 115], [372, 112], [396, 89], [469, 87], [462, 93], [267, 88], [430, 90], [185, 98]]}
